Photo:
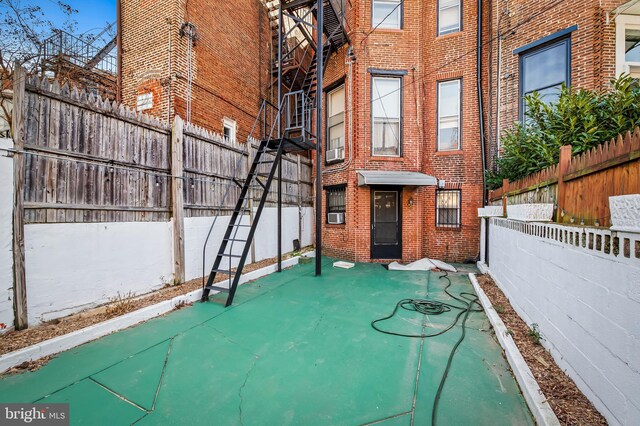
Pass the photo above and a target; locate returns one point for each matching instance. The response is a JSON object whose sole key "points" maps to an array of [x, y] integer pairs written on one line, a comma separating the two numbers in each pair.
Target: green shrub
{"points": [[580, 118]]}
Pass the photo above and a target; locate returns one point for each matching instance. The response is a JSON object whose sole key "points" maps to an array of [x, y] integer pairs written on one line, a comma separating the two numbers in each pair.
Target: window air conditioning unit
{"points": [[335, 218], [335, 154]]}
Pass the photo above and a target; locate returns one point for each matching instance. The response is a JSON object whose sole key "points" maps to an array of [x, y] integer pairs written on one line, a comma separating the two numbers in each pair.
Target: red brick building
{"points": [[540, 45], [403, 136], [207, 61], [410, 108]]}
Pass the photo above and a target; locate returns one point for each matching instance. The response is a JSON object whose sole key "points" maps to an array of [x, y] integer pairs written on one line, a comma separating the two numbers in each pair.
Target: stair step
{"points": [[217, 288], [234, 239], [229, 255], [223, 271]]}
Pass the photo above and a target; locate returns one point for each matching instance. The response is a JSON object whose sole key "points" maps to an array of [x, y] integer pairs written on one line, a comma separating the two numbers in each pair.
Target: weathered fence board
{"points": [[88, 159]]}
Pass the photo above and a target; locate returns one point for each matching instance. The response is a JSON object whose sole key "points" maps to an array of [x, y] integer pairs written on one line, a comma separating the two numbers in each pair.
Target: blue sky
{"points": [[92, 15]]}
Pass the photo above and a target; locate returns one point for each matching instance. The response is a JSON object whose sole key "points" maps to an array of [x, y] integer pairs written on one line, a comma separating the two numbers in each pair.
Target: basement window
{"points": [[386, 95], [229, 129], [387, 14], [628, 45], [449, 18], [448, 211], [336, 204]]}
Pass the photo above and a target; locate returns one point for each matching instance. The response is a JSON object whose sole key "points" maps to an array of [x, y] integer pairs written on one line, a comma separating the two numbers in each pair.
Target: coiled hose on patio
{"points": [[436, 307]]}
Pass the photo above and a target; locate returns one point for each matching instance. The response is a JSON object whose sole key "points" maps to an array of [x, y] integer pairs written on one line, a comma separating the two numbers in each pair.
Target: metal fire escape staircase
{"points": [[291, 131]]}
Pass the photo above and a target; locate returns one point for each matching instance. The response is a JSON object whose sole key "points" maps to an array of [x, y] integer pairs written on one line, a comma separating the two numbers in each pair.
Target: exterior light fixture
{"points": [[410, 202]]}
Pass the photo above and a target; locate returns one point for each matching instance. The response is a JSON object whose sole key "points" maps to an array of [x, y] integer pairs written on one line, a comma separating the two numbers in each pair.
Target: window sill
{"points": [[451, 152], [389, 30], [335, 225], [449, 35], [385, 158], [448, 228], [333, 162]]}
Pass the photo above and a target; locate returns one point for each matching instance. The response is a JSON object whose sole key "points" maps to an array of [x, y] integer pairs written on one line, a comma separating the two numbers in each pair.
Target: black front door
{"points": [[386, 223]]}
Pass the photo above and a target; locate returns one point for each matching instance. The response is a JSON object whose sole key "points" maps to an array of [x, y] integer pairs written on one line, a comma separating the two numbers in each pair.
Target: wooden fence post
{"points": [[505, 184], [17, 126], [563, 167], [177, 199]]}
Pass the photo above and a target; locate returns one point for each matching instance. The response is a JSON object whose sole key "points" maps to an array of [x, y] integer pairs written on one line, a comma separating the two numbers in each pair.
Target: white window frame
{"points": [[383, 24], [453, 30], [439, 118], [332, 119], [374, 97], [622, 23], [458, 208], [228, 123]]}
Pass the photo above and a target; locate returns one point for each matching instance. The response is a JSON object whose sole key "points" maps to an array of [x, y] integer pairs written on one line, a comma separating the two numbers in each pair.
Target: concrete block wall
{"points": [[71, 267], [6, 235], [585, 299]]}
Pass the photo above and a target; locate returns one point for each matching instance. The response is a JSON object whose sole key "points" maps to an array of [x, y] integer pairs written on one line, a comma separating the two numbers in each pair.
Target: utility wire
{"points": [[473, 50], [381, 22]]}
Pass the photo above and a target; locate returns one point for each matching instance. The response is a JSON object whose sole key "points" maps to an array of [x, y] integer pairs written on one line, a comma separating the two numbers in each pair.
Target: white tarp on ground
{"points": [[422, 265]]}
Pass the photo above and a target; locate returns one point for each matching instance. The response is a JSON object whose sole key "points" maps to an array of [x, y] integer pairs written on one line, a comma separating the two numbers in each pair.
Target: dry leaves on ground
{"points": [[569, 404]]}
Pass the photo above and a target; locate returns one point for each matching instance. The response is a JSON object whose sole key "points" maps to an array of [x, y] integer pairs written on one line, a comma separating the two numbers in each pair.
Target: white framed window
{"points": [[386, 125], [386, 14], [628, 45], [449, 16], [448, 208], [449, 115], [229, 129], [335, 124]]}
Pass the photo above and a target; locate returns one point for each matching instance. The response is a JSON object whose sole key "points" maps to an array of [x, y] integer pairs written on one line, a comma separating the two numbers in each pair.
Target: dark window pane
{"points": [[544, 68]]}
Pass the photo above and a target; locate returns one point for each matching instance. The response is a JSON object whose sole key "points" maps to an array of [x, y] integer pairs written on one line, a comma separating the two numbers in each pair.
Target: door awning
{"points": [[397, 178]]}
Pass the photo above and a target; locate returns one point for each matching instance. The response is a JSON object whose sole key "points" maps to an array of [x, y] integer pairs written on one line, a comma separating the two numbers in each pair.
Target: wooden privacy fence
{"points": [[580, 186], [93, 160], [80, 158]]}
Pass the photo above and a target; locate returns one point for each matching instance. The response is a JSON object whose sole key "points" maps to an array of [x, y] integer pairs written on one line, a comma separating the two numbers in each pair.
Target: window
{"points": [[385, 110], [448, 208], [336, 204], [387, 14], [544, 70], [448, 16], [229, 129], [628, 45], [449, 115], [335, 124]]}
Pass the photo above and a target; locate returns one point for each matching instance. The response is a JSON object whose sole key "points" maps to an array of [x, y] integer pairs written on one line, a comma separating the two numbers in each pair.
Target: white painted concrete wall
{"points": [[586, 303], [265, 241], [6, 235], [75, 266]]}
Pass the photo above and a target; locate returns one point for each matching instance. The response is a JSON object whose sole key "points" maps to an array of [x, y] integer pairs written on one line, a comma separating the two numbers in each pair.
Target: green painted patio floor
{"points": [[293, 349]]}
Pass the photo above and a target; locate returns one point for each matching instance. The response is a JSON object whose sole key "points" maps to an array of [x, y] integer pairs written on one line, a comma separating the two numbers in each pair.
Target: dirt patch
{"points": [[568, 403], [121, 305]]}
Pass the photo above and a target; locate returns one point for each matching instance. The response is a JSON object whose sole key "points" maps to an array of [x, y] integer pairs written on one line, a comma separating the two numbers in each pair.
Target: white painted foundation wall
{"points": [[586, 303], [75, 266], [71, 267], [6, 234]]}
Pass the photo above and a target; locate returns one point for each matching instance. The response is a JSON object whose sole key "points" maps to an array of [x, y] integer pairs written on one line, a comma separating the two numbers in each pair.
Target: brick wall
{"points": [[231, 69], [513, 24], [426, 59]]}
